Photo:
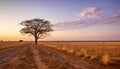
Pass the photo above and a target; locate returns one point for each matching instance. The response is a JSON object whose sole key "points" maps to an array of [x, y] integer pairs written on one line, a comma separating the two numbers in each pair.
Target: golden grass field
{"points": [[104, 52], [60, 55]]}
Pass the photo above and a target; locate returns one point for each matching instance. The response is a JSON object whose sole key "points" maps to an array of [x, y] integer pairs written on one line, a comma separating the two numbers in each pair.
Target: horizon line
{"points": [[64, 41]]}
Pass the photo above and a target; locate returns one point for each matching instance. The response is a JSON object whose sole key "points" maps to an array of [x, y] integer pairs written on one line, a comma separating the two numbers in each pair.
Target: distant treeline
{"points": [[67, 41], [82, 41]]}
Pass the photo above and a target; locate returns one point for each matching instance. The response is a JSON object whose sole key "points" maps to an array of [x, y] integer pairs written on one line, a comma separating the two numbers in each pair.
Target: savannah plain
{"points": [[59, 55], [84, 34]]}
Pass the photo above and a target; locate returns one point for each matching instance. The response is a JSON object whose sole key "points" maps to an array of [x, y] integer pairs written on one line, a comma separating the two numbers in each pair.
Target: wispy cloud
{"points": [[89, 12]]}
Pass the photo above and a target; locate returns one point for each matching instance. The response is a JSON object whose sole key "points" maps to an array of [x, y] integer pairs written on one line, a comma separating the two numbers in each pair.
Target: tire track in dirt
{"points": [[76, 62], [31, 56], [54, 60], [9, 57], [37, 58], [63, 57], [61, 60], [5, 54]]}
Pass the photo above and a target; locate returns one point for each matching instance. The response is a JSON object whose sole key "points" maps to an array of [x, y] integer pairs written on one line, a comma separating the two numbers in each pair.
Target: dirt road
{"points": [[37, 58], [31, 56]]}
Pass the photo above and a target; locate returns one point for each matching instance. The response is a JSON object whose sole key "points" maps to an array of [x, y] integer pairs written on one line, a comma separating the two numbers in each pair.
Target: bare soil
{"points": [[31, 56]]}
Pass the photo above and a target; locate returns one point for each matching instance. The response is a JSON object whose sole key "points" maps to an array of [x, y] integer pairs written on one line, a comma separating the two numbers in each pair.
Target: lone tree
{"points": [[38, 28]]}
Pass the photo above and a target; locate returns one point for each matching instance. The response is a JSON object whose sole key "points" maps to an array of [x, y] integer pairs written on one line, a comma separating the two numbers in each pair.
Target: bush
{"points": [[105, 59], [20, 40]]}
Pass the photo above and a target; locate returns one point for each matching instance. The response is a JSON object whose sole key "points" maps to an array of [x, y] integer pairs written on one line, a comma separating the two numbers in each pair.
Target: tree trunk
{"points": [[36, 40]]}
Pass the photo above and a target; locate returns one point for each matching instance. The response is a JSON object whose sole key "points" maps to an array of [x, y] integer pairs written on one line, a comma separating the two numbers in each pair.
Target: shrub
{"points": [[70, 51], [105, 59], [20, 40], [77, 53]]}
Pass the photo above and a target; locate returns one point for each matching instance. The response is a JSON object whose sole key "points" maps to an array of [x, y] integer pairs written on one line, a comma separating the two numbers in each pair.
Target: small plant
{"points": [[58, 48], [87, 56], [83, 52], [77, 53], [105, 59], [70, 51], [94, 57], [63, 49]]}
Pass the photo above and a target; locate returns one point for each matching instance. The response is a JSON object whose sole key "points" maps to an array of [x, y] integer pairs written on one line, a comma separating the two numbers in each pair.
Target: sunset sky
{"points": [[71, 19]]}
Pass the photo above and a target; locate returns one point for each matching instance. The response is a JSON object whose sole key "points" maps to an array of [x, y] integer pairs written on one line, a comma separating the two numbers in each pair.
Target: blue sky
{"points": [[81, 15], [58, 10]]}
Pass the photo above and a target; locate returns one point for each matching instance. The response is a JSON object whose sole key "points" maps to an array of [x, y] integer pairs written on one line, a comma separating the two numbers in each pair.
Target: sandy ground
{"points": [[37, 58], [31, 56]]}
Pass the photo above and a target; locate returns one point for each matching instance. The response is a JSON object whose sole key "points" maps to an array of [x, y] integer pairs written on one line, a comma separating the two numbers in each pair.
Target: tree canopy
{"points": [[38, 28]]}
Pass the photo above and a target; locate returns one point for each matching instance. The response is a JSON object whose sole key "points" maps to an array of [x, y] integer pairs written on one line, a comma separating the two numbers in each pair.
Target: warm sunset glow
{"points": [[72, 20]]}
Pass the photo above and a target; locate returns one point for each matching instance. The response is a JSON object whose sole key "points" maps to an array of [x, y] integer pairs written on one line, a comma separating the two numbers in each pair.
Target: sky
{"points": [[71, 19]]}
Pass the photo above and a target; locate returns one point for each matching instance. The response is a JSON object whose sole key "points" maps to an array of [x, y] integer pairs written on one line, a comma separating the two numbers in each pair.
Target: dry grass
{"points": [[8, 45], [93, 51], [77, 53], [105, 59], [70, 51]]}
